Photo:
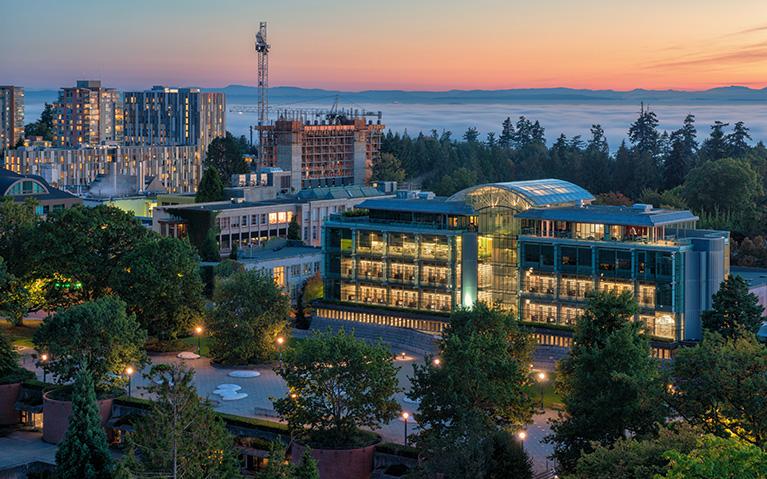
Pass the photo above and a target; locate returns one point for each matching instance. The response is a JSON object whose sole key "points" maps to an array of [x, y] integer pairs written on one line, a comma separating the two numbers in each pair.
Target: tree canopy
{"points": [[735, 310], [336, 385], [225, 155], [211, 186], [610, 384], [478, 387], [181, 436], [98, 335], [160, 283], [250, 312], [721, 386]]}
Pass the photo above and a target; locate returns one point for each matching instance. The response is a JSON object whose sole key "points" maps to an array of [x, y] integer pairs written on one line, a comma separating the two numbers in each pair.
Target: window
{"points": [[295, 270], [278, 274]]}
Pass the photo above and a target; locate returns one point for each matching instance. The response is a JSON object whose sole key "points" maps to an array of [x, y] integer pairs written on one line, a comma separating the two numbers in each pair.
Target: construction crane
{"points": [[262, 48]]}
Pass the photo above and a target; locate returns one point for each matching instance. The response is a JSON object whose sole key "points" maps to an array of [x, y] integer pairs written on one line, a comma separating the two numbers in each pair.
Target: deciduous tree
{"points": [[250, 312], [99, 335], [336, 385]]}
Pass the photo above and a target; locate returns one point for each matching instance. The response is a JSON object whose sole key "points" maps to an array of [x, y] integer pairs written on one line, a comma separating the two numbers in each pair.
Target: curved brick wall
{"points": [[339, 463], [56, 417], [8, 395]]}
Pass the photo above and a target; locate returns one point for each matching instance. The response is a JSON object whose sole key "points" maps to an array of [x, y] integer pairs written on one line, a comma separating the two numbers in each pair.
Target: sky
{"points": [[387, 44]]}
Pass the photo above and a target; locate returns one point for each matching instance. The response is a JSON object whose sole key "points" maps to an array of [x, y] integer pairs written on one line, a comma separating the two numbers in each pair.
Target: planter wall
{"points": [[339, 463], [9, 394], [56, 416]]}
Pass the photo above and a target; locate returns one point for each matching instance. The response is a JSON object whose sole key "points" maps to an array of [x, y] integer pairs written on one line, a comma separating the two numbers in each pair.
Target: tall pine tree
{"points": [[84, 453], [211, 187]]}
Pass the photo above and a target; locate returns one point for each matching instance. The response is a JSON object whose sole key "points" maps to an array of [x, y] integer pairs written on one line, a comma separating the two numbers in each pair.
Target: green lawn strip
{"points": [[20, 335]]}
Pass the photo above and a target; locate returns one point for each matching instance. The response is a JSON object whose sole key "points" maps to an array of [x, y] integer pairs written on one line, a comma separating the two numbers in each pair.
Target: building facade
{"points": [[534, 248], [46, 197], [11, 116], [288, 265], [248, 225], [178, 168], [88, 114], [173, 116], [333, 152]]}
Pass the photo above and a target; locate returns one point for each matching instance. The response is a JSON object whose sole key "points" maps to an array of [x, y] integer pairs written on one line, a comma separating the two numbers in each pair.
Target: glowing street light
{"points": [[43, 360], [541, 376], [280, 342], [436, 362], [198, 332], [405, 417], [522, 435], [129, 372]]}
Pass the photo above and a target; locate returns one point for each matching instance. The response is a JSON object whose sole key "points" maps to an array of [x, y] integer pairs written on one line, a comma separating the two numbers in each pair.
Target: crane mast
{"points": [[262, 49]]}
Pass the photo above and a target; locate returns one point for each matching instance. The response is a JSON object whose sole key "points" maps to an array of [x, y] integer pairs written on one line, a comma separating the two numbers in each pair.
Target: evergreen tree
{"points": [[294, 229], [387, 168], [10, 371], [42, 127], [611, 355], [715, 147], [507, 133], [211, 187], [84, 453], [643, 133], [181, 436], [681, 158], [209, 250], [225, 155], [233, 253], [307, 468], [735, 309], [737, 140], [471, 135], [598, 140], [278, 467]]}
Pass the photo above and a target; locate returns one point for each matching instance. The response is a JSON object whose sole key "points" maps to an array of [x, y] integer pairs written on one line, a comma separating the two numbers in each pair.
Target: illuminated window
{"points": [[278, 274]]}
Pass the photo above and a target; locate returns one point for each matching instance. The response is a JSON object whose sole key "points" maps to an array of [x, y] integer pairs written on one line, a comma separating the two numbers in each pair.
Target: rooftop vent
{"points": [[642, 206]]}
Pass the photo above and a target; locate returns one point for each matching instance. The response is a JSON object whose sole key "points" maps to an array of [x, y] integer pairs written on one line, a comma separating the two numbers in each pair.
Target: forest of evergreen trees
{"points": [[721, 176]]}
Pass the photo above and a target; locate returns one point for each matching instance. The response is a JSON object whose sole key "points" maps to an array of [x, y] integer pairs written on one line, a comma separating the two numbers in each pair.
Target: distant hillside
{"points": [[237, 93], [280, 95]]}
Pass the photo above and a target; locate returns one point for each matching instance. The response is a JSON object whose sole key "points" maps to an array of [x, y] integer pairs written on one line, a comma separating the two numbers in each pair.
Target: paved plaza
{"points": [[268, 385]]}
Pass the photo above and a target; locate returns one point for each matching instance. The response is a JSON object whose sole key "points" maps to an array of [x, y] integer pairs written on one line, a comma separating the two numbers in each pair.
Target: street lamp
{"points": [[280, 342], [436, 362], [129, 371], [522, 435], [405, 417], [43, 360], [541, 379], [198, 331]]}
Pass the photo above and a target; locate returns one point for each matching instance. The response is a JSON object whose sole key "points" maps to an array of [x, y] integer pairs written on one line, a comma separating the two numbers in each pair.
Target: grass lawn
{"points": [[191, 341], [20, 335]]}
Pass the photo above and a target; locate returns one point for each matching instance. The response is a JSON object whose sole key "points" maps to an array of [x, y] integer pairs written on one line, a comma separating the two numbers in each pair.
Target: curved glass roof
{"points": [[545, 192]]}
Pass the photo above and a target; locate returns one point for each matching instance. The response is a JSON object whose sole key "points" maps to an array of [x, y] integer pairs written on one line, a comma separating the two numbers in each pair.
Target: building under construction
{"points": [[337, 150], [319, 147]]}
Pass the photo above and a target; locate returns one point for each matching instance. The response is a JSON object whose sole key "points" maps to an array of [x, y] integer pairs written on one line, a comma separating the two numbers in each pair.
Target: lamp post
{"points": [[405, 417], [198, 332], [280, 342], [436, 362], [43, 360], [522, 435], [129, 371], [541, 378]]}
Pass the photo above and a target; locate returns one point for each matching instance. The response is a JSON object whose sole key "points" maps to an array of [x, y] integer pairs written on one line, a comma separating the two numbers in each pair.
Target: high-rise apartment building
{"points": [[11, 116], [173, 116], [88, 114]]}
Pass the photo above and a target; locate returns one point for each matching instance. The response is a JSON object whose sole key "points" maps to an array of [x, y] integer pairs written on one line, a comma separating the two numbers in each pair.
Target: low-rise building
{"points": [[534, 248], [245, 223], [290, 265], [46, 197]]}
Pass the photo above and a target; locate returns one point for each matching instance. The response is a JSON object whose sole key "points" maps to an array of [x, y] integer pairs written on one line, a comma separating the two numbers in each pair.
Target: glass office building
{"points": [[535, 248]]}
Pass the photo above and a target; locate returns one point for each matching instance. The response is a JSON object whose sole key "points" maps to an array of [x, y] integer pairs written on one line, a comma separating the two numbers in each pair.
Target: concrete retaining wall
{"points": [[9, 393], [56, 417]]}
